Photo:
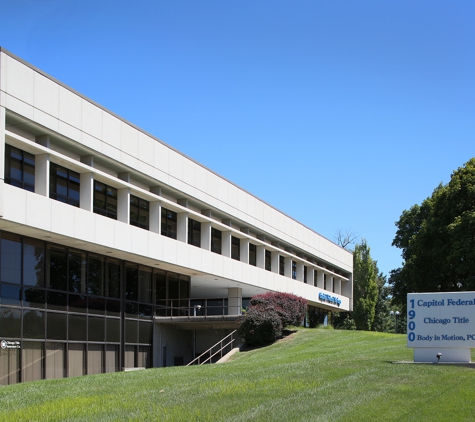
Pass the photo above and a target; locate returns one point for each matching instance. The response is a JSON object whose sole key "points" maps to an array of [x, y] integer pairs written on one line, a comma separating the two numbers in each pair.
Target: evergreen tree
{"points": [[365, 287]]}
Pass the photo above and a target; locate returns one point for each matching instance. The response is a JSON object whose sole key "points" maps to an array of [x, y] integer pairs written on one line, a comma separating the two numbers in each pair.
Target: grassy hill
{"points": [[312, 375]]}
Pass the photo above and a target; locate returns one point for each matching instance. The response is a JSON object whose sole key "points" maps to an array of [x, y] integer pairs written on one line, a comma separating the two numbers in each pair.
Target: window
{"points": [[268, 263], [64, 185], [139, 212], [19, 168], [169, 224], [305, 274], [194, 233], [235, 248], [294, 270], [215, 240], [105, 200], [252, 254], [281, 265]]}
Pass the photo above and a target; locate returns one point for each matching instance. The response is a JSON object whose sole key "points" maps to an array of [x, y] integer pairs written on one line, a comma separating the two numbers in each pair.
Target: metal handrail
{"points": [[211, 348]]}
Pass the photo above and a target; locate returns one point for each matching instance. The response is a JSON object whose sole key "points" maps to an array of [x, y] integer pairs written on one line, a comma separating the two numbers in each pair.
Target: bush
{"points": [[291, 308], [260, 326], [268, 315]]}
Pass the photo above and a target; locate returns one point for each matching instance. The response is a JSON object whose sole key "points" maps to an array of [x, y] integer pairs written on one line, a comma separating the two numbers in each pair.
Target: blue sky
{"points": [[339, 113]]}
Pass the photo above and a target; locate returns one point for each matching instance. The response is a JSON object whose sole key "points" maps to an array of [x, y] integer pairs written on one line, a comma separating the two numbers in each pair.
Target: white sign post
{"points": [[441, 326]]}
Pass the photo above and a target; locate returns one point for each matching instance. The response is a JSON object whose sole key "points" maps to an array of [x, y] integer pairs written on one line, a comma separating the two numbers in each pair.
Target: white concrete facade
{"points": [[42, 117]]}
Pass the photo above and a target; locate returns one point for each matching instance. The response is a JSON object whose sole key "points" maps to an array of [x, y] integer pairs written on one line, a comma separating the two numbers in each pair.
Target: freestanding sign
{"points": [[441, 323]]}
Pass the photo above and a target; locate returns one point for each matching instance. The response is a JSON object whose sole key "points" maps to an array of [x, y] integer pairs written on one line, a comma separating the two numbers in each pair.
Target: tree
{"points": [[365, 287], [345, 238], [437, 239]]}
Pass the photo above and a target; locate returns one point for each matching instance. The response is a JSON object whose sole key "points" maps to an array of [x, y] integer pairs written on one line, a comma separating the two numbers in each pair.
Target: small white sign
{"points": [[5, 344], [441, 320]]}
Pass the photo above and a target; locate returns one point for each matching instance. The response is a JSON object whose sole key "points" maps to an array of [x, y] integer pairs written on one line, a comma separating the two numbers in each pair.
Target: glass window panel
{"points": [[56, 326], [235, 248], [145, 311], [10, 323], [112, 358], [113, 279], [57, 301], [129, 356], [96, 328], [32, 361], [10, 294], [215, 241], [143, 357], [173, 286], [76, 360], [33, 298], [131, 309], [96, 305], [131, 329], [95, 359], [184, 287], [57, 276], [131, 283], [113, 307], [145, 332], [10, 271], [169, 223], [77, 303], [55, 360], [29, 174], [95, 270], [9, 366], [194, 232], [252, 254], [145, 284], [214, 307], [160, 286], [33, 262], [113, 330], [33, 324], [77, 327], [77, 272]]}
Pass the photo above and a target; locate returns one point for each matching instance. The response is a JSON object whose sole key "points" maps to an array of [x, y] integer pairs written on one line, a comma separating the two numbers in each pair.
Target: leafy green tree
{"points": [[382, 320], [437, 240], [365, 287]]}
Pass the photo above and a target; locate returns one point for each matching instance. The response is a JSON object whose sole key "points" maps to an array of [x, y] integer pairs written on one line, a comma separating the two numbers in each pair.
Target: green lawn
{"points": [[313, 375]]}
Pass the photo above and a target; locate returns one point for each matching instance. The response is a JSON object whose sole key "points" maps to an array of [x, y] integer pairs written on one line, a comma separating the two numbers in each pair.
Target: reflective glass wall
{"points": [[66, 312]]}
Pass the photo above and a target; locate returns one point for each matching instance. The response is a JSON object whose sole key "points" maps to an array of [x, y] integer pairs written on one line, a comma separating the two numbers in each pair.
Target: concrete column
{"points": [[260, 256], [42, 174], [123, 205], [275, 257], [226, 244], [311, 276], [329, 283], [245, 250], [320, 279], [288, 266], [337, 286], [155, 217], [182, 227], [347, 289], [300, 266], [206, 236], [86, 191], [234, 300]]}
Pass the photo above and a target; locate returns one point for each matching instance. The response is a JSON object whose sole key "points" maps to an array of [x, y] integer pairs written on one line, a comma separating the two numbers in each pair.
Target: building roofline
{"points": [[46, 75]]}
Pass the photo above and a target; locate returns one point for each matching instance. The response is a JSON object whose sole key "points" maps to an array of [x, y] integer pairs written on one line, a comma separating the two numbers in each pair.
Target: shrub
{"points": [[260, 326], [291, 308], [268, 314]]}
